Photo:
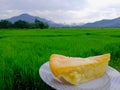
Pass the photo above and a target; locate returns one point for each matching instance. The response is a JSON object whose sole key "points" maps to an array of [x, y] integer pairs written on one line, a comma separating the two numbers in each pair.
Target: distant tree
{"points": [[5, 24], [32, 25], [21, 24], [46, 25], [40, 24]]}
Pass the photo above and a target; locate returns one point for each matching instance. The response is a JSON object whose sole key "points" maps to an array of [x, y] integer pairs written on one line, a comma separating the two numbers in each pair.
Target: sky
{"points": [[62, 11]]}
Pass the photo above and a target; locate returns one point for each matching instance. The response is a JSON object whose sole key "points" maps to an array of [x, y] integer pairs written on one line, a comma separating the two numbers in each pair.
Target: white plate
{"points": [[109, 81]]}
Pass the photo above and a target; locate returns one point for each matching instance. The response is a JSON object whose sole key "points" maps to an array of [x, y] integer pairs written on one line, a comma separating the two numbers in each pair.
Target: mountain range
{"points": [[104, 23], [30, 18], [98, 24]]}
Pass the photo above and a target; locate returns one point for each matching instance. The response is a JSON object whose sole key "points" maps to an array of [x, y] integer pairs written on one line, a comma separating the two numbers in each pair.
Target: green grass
{"points": [[22, 52]]}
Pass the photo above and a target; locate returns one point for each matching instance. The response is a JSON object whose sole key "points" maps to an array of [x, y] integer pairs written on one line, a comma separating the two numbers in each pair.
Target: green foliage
{"points": [[22, 52], [21, 24], [5, 24], [41, 25]]}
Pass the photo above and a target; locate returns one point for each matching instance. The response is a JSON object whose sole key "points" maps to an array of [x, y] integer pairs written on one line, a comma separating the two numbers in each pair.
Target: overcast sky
{"points": [[62, 11]]}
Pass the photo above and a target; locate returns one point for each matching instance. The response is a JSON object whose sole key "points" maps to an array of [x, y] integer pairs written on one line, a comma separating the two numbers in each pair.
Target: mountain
{"points": [[98, 24], [104, 23], [30, 18]]}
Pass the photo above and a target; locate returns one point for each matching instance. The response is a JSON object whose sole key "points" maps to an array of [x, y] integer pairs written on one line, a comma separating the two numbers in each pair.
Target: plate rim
{"points": [[46, 63]]}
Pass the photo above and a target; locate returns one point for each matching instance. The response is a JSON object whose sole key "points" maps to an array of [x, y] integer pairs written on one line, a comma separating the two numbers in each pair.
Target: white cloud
{"points": [[95, 4], [44, 4], [9, 13], [62, 11]]}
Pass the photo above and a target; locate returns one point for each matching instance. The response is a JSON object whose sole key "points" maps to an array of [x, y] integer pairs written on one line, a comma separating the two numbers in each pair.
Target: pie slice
{"points": [[78, 70]]}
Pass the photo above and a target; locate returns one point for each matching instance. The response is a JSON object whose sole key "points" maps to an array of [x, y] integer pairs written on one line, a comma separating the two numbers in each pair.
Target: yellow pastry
{"points": [[78, 70]]}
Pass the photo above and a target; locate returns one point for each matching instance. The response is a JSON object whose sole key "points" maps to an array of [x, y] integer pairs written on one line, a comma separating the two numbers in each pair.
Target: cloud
{"points": [[62, 11], [45, 4]]}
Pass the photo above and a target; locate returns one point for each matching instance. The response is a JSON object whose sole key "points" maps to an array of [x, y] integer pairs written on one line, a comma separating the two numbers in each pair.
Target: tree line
{"points": [[23, 24]]}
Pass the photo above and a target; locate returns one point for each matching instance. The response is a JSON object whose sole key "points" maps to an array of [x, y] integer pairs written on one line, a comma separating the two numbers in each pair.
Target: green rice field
{"points": [[22, 52]]}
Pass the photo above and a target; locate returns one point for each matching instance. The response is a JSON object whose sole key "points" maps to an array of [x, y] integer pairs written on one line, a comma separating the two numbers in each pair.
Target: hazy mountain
{"points": [[104, 23], [30, 18]]}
